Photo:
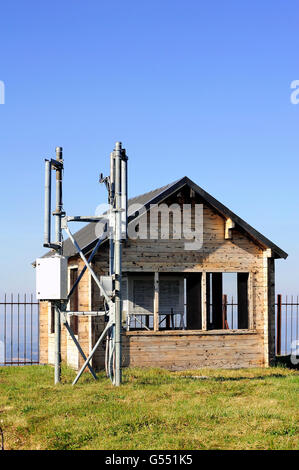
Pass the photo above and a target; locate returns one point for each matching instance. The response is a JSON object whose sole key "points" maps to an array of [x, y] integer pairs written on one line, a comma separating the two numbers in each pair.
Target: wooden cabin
{"points": [[175, 313]]}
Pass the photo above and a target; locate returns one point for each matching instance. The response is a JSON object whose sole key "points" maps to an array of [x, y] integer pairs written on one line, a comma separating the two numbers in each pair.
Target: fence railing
{"points": [[19, 326], [287, 324], [286, 321], [19, 330]]}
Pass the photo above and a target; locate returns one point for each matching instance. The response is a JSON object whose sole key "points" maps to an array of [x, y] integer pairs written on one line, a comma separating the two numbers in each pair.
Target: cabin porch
{"points": [[186, 301]]}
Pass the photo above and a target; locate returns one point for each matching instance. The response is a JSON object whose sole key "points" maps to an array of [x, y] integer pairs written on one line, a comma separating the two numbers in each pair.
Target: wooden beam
{"points": [[250, 301], [229, 225], [217, 292], [156, 302], [265, 308], [243, 300], [194, 303], [204, 301]]}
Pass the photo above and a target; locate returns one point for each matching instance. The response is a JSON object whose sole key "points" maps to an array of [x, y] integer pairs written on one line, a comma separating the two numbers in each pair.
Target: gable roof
{"points": [[86, 237]]}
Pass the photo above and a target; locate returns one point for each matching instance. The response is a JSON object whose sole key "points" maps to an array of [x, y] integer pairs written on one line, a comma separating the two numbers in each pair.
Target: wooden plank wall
{"points": [[43, 332], [218, 254], [271, 310], [192, 350]]}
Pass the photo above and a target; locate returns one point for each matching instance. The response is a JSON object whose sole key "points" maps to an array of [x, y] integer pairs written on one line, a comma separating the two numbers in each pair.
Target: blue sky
{"points": [[196, 88]]}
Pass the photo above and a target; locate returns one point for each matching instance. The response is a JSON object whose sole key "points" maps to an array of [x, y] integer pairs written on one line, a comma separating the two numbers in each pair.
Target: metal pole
{"points": [[278, 326], [57, 353], [124, 195], [47, 222], [58, 232], [110, 333], [117, 265], [112, 205], [58, 212]]}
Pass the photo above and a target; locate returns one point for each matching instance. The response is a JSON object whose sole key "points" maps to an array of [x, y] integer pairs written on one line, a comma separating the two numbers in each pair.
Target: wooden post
{"points": [[278, 326], [204, 301], [156, 302], [194, 301], [242, 300], [250, 301], [217, 288]]}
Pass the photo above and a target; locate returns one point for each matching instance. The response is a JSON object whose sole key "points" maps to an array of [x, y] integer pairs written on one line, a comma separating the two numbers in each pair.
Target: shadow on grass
{"points": [[234, 379], [172, 380], [285, 361]]}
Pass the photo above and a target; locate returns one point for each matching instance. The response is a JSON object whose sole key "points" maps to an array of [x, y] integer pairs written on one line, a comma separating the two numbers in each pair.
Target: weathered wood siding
{"points": [[192, 350], [43, 332], [189, 349], [218, 254]]}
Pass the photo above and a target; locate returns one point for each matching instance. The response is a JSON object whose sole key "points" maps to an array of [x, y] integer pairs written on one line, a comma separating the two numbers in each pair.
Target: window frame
{"points": [[250, 319]]}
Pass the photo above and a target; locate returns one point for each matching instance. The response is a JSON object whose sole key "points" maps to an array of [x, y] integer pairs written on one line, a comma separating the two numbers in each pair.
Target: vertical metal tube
{"points": [[57, 353], [278, 326], [18, 329], [286, 327], [117, 265], [110, 334], [25, 329], [124, 196], [156, 301], [38, 338], [31, 302], [11, 329], [47, 221], [112, 206], [58, 233], [58, 211], [5, 322]]}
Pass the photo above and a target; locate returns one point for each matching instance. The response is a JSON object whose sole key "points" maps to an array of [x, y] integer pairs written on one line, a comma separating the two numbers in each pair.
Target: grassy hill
{"points": [[153, 409]]}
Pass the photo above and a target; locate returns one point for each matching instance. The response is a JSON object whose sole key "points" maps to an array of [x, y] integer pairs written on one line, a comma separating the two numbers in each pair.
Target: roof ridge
{"points": [[85, 237], [161, 189]]}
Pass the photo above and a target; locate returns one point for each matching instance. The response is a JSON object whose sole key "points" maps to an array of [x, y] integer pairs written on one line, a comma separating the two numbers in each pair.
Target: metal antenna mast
{"points": [[117, 263], [110, 286], [58, 239]]}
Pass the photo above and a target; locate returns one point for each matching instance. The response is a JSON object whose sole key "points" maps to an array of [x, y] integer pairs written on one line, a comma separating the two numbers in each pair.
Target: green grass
{"points": [[153, 409]]}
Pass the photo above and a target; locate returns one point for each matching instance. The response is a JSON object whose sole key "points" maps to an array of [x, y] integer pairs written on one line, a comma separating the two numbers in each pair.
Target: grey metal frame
{"points": [[117, 187]]}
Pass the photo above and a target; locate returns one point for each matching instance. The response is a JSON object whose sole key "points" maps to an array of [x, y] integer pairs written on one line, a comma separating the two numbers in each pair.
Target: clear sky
{"points": [[196, 88]]}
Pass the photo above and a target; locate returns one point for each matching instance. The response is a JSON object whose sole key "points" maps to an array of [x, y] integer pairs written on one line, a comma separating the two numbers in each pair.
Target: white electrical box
{"points": [[51, 278], [107, 282]]}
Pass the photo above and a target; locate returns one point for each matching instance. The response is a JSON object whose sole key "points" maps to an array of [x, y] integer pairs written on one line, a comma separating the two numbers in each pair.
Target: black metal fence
{"points": [[287, 324], [19, 330], [19, 326], [286, 321]]}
